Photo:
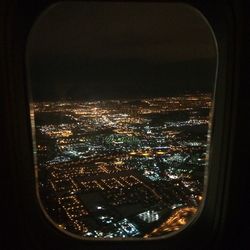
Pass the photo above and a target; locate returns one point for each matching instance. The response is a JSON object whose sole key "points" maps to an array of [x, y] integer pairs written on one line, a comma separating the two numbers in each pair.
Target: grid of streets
{"points": [[122, 168]]}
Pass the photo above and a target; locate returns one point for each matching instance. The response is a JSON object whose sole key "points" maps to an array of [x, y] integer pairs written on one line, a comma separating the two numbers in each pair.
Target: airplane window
{"points": [[121, 111]]}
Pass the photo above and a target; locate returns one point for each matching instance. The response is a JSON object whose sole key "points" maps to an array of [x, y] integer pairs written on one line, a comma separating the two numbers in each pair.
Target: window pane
{"points": [[122, 97]]}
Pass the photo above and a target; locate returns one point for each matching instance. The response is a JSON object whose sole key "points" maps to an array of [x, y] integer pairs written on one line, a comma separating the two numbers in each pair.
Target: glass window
{"points": [[121, 109]]}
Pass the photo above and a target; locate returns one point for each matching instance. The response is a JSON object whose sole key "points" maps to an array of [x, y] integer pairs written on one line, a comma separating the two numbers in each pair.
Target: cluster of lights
{"points": [[174, 222], [114, 149], [149, 216]]}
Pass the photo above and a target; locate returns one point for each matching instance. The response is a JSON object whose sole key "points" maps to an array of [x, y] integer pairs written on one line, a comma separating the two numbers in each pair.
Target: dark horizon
{"points": [[130, 99], [98, 51], [199, 77], [118, 98]]}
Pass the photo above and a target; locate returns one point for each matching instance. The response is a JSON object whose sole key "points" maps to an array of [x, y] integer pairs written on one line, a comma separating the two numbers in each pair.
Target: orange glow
{"points": [[132, 153], [178, 219], [160, 153]]}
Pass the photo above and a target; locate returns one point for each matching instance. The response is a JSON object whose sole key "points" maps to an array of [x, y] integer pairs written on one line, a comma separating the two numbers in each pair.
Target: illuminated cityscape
{"points": [[122, 168]]}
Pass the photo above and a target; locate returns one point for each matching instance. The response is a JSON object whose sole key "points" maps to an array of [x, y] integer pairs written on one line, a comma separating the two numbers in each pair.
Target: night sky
{"points": [[88, 51]]}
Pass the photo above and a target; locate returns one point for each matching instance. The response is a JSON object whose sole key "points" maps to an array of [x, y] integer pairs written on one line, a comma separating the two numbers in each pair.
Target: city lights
{"points": [[120, 168]]}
